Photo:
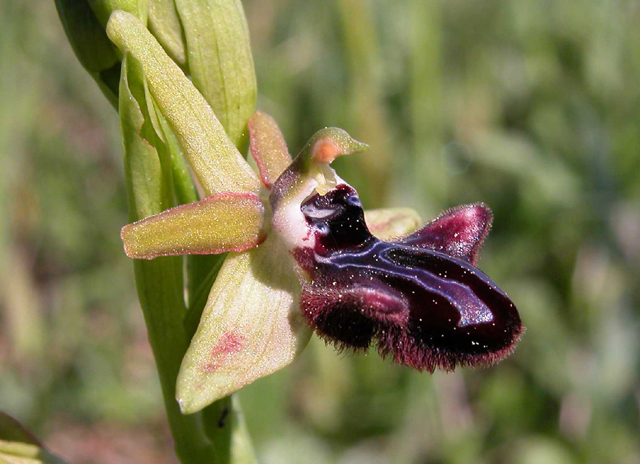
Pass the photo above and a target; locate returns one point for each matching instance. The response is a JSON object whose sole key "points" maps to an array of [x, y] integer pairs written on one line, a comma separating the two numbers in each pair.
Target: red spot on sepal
{"points": [[230, 343]]}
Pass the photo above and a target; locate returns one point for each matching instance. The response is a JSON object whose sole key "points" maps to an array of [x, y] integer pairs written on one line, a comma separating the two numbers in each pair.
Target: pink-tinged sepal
{"points": [[426, 309], [216, 224], [268, 147], [458, 232]]}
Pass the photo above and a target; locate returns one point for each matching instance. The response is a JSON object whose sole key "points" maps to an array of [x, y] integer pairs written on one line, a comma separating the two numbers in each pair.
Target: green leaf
{"points": [[220, 223], [164, 24], [220, 61], [19, 446], [91, 45], [250, 327], [217, 163]]}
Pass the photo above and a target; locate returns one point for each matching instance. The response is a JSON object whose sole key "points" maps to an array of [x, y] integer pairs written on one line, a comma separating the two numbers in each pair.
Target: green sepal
{"points": [[215, 160], [392, 223], [214, 225], [251, 326]]}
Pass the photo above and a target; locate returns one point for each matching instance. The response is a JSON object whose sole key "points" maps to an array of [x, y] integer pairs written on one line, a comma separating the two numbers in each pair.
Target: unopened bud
{"points": [[84, 22]]}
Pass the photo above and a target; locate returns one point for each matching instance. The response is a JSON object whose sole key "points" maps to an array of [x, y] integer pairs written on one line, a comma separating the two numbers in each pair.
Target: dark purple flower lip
{"points": [[420, 298]]}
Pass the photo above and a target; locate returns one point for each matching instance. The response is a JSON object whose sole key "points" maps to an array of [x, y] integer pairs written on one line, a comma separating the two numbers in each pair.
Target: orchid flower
{"points": [[304, 256]]}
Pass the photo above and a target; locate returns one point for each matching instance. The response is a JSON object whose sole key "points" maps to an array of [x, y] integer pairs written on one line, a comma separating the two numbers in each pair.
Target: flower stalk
{"points": [[166, 122], [159, 283]]}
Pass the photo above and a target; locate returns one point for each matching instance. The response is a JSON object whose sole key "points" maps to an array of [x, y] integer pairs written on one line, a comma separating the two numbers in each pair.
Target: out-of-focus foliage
{"points": [[19, 446], [532, 107]]}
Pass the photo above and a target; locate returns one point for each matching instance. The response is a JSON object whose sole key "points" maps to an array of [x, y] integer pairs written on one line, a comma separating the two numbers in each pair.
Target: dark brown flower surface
{"points": [[420, 298]]}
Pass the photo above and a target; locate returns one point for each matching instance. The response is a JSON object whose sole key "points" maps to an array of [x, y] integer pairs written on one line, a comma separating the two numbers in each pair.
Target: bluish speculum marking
{"points": [[428, 308]]}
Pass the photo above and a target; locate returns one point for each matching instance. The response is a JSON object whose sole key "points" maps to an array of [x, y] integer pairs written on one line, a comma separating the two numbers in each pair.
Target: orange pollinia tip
{"points": [[325, 150]]}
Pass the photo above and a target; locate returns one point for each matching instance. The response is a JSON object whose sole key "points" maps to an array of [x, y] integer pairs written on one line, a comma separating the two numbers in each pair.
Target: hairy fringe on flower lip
{"points": [[408, 352], [419, 299], [356, 317], [416, 357], [393, 340]]}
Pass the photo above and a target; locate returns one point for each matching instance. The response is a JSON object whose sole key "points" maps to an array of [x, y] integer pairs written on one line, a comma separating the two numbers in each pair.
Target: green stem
{"points": [[159, 282], [162, 305]]}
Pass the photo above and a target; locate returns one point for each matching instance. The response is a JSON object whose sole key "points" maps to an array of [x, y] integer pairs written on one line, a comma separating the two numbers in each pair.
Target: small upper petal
{"points": [[268, 147]]}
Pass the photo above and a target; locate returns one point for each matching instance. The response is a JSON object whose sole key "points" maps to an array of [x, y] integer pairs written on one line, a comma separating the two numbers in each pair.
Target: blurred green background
{"points": [[531, 106]]}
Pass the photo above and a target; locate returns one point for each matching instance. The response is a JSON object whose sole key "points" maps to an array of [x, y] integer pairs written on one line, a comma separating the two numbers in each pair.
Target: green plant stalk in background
{"points": [[208, 39]]}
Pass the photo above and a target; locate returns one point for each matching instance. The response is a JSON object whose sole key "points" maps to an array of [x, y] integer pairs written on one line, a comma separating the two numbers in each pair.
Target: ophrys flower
{"points": [[311, 261], [302, 255]]}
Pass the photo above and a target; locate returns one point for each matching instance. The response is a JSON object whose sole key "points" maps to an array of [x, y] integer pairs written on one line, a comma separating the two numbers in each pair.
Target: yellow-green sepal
{"points": [[215, 160], [392, 223], [216, 224], [251, 327]]}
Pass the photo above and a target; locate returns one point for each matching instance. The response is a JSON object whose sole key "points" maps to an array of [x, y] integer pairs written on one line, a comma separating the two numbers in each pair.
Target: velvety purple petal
{"points": [[458, 232], [352, 315], [427, 309]]}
